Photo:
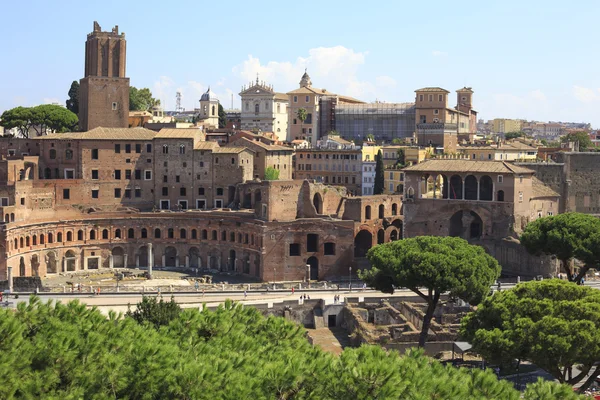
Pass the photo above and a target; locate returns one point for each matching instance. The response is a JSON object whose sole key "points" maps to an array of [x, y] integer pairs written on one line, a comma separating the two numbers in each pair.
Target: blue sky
{"points": [[524, 59]]}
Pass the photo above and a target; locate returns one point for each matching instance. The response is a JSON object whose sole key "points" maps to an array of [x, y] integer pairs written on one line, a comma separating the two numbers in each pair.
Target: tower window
{"points": [[114, 106]]}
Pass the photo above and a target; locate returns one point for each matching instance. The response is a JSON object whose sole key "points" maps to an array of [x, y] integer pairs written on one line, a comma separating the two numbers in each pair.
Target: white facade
{"points": [[368, 177], [264, 110]]}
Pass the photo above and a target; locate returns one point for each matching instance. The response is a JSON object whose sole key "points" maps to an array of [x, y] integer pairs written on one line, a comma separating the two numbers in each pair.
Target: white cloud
{"points": [[538, 95], [438, 53], [332, 68], [164, 90], [585, 95]]}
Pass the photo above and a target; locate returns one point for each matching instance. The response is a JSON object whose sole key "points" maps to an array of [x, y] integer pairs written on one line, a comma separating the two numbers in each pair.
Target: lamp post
{"points": [[273, 274], [308, 274], [350, 278]]}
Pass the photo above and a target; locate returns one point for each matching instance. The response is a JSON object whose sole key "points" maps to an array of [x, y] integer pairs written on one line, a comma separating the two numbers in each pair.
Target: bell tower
{"points": [[104, 89]]}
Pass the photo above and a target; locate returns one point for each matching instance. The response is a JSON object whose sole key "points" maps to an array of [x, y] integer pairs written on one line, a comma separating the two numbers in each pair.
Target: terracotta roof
{"points": [[495, 167], [299, 141], [308, 90], [206, 145], [140, 114], [541, 190], [268, 147], [281, 96], [337, 139], [432, 89], [230, 150], [503, 146], [348, 99], [104, 134], [187, 133]]}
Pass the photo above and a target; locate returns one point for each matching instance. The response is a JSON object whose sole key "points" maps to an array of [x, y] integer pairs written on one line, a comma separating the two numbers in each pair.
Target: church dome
{"points": [[209, 96], [305, 81]]}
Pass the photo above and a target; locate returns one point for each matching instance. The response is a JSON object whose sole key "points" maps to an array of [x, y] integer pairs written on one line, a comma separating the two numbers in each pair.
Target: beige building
{"points": [[514, 150], [393, 181], [439, 125], [268, 155], [264, 110], [209, 110], [412, 154], [503, 125]]}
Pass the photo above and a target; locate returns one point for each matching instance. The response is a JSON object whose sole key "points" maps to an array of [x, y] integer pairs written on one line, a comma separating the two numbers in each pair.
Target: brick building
{"points": [[110, 198]]}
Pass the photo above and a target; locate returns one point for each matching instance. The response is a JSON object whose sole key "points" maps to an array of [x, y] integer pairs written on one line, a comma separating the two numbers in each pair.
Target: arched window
{"points": [[12, 217], [213, 111], [105, 234], [194, 234], [381, 211], [7, 218], [157, 233], [130, 233], [170, 233], [182, 149], [486, 188], [27, 241], [410, 193], [118, 234], [52, 154], [59, 237], [214, 235], [34, 240], [256, 108], [165, 149], [204, 234], [144, 233], [182, 233], [224, 236], [92, 235], [42, 239], [368, 212], [69, 154], [79, 235], [69, 236], [16, 245], [47, 173], [394, 209], [50, 237], [500, 195], [232, 237]]}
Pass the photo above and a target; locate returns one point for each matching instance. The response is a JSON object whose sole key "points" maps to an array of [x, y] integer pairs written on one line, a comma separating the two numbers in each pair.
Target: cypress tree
{"points": [[379, 171]]}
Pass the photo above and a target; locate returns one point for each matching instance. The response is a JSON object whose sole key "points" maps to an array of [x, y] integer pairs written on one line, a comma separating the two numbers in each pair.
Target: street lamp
{"points": [[350, 276], [308, 274]]}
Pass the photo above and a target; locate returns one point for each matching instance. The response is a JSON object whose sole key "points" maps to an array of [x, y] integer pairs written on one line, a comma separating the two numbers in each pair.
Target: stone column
{"points": [[463, 187], [76, 262], [125, 257], [137, 260], [208, 262], [150, 260], [164, 260], [478, 188], [187, 261], [64, 265], [10, 279], [111, 262], [177, 261], [219, 263]]}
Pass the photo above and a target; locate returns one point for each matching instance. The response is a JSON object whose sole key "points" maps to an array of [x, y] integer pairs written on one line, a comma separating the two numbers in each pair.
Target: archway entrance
{"points": [[314, 268], [35, 265], [194, 257], [232, 260], [51, 263], [170, 256], [118, 256], [70, 260], [466, 224], [143, 256], [362, 243], [380, 236], [318, 203], [394, 235], [500, 195], [21, 266]]}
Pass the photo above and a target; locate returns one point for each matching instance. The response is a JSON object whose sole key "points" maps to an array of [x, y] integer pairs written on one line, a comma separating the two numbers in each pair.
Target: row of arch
{"points": [[381, 211], [144, 233], [363, 240], [457, 188]]}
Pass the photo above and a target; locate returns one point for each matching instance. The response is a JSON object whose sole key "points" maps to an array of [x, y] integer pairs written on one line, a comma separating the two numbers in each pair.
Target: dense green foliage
{"points": [[553, 323], [437, 264], [401, 159], [566, 236], [271, 174], [154, 311], [585, 143], [379, 186], [39, 119], [73, 100], [70, 352], [141, 99], [514, 135], [222, 117]]}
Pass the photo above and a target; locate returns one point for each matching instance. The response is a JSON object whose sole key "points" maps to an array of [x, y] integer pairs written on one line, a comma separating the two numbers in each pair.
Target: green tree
{"points": [[431, 266], [397, 141], [271, 174], [19, 118], [39, 119], [333, 133], [141, 99], [401, 160], [583, 138], [222, 117], [514, 135], [553, 323], [69, 351], [158, 313], [73, 100], [379, 174], [567, 236], [370, 137], [301, 114]]}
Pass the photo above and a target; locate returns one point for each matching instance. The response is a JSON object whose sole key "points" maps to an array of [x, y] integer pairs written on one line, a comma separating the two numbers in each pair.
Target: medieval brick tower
{"points": [[104, 90]]}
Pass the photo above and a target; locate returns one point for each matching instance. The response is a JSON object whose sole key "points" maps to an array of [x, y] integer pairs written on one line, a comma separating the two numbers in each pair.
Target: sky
{"points": [[535, 60]]}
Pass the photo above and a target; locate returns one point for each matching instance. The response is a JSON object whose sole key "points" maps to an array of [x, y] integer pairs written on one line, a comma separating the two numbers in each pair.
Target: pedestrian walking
{"points": [[245, 294], [292, 290]]}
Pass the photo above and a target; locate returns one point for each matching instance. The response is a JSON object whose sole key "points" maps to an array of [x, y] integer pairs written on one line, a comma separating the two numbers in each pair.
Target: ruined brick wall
{"points": [[103, 101]]}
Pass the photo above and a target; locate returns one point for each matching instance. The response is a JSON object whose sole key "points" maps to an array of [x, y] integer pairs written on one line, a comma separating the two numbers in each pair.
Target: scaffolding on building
{"points": [[385, 121]]}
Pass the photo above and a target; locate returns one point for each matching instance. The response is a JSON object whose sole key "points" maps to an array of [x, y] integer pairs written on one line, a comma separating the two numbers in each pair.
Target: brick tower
{"points": [[104, 90]]}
